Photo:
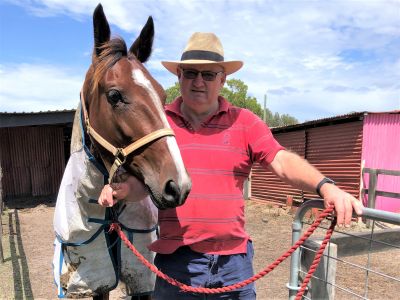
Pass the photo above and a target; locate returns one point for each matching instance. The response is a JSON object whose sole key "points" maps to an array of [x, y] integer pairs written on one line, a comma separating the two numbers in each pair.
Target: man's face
{"points": [[198, 93]]}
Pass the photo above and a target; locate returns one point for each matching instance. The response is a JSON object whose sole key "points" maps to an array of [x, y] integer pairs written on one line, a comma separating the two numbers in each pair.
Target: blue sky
{"points": [[313, 59]]}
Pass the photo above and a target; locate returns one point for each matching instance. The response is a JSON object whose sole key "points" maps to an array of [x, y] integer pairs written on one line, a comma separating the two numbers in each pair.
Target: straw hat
{"points": [[203, 48]]}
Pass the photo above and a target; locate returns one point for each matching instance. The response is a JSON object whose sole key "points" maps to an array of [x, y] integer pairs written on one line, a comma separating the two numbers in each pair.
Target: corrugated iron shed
{"points": [[333, 145], [33, 151], [381, 150]]}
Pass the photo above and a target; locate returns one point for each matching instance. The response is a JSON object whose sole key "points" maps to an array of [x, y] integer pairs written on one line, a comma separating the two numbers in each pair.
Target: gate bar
{"points": [[370, 213]]}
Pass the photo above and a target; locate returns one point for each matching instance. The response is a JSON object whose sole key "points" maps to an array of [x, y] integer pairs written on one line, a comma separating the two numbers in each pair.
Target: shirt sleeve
{"points": [[262, 146]]}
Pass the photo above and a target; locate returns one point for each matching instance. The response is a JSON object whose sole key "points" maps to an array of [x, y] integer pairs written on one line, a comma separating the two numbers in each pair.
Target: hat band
{"points": [[201, 55]]}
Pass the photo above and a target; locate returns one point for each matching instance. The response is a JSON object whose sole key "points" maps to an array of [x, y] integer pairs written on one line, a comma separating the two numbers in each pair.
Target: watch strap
{"points": [[321, 183]]}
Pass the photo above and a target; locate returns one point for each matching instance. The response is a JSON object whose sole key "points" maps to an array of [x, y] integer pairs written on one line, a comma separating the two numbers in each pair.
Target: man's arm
{"points": [[296, 171]]}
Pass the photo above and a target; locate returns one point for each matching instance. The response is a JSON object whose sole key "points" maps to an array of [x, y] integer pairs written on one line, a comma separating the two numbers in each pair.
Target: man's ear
{"points": [[223, 79], [179, 73]]}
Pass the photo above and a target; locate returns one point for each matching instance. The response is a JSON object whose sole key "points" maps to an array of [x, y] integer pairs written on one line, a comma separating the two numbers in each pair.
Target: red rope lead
{"points": [[316, 260], [245, 282]]}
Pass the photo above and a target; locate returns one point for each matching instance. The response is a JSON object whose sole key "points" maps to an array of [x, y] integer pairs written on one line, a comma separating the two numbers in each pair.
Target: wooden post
{"points": [[373, 179], [246, 189], [322, 284]]}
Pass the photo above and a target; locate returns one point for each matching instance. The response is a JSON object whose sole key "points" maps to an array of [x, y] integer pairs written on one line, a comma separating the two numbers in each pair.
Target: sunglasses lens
{"points": [[190, 74], [208, 76]]}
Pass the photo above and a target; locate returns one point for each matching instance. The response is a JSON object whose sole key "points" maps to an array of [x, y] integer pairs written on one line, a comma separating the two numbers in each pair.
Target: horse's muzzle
{"points": [[173, 196]]}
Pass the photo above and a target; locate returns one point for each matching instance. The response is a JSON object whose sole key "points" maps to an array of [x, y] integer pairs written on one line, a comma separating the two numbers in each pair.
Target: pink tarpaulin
{"points": [[381, 150]]}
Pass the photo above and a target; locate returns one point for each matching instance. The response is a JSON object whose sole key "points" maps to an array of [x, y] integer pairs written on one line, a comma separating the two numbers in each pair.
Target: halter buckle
{"points": [[120, 156]]}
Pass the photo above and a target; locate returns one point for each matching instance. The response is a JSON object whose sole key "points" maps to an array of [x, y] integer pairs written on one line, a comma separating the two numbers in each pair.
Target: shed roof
{"points": [[17, 119], [353, 116]]}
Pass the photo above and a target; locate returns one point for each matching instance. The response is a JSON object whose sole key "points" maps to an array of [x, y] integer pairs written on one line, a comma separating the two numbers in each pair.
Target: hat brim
{"points": [[229, 66]]}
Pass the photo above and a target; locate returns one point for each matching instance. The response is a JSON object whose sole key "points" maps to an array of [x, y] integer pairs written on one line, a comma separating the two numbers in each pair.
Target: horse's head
{"points": [[124, 104]]}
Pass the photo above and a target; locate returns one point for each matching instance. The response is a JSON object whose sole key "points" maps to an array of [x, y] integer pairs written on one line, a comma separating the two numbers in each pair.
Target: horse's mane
{"points": [[110, 52]]}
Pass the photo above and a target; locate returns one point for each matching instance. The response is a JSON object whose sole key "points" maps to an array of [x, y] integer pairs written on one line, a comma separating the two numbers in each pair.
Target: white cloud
{"points": [[323, 62], [26, 88], [296, 49]]}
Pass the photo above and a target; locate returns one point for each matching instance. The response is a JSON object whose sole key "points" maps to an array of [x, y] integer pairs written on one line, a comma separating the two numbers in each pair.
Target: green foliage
{"points": [[172, 92], [235, 91]]}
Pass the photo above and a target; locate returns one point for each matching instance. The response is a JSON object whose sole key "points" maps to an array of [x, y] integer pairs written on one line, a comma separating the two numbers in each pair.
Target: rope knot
{"points": [[114, 227]]}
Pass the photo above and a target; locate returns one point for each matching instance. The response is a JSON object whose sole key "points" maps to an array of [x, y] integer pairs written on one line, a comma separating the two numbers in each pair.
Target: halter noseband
{"points": [[120, 154]]}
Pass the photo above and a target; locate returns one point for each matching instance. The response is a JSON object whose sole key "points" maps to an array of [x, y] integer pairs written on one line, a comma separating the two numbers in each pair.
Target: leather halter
{"points": [[120, 154]]}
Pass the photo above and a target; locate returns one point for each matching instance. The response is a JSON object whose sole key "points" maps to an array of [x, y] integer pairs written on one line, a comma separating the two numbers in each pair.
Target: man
{"points": [[203, 242]]}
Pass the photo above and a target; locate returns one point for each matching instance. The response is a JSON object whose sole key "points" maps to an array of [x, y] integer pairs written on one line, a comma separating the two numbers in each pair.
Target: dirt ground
{"points": [[28, 249]]}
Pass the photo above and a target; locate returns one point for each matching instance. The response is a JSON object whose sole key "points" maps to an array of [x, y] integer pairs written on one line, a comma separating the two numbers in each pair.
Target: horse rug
{"points": [[88, 259]]}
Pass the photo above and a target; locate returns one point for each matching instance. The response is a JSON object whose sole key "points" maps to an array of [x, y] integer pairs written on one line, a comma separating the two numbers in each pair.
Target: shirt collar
{"points": [[175, 106]]}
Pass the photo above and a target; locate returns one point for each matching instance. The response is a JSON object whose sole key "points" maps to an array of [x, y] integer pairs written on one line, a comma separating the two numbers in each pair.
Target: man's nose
{"points": [[198, 80]]}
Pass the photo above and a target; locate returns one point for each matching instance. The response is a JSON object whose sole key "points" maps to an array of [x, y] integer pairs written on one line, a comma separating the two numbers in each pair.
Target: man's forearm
{"points": [[296, 171]]}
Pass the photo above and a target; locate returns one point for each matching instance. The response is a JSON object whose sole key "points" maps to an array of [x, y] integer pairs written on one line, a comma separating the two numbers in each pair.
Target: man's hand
{"points": [[130, 190], [344, 203]]}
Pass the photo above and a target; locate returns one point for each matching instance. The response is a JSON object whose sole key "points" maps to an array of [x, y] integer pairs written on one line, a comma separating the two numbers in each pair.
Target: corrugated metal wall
{"points": [[32, 159], [334, 149], [267, 186], [381, 150]]}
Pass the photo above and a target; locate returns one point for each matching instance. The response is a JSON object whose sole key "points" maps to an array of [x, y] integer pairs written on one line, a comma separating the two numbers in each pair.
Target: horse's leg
{"points": [[104, 296]]}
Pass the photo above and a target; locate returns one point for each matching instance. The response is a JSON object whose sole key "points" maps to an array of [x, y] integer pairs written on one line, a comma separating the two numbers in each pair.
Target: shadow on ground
{"points": [[16, 259], [30, 202]]}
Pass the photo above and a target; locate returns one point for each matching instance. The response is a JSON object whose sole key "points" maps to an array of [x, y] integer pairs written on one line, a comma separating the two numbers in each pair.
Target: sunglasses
{"points": [[206, 75]]}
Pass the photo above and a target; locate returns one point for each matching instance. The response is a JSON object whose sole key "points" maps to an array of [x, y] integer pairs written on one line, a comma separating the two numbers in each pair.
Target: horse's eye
{"points": [[114, 97]]}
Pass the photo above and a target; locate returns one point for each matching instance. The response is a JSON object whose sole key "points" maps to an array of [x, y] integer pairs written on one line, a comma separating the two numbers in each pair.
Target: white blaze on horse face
{"points": [[142, 81]]}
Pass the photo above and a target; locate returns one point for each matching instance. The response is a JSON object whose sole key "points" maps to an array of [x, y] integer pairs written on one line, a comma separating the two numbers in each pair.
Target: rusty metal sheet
{"points": [[266, 186], [334, 149], [32, 159]]}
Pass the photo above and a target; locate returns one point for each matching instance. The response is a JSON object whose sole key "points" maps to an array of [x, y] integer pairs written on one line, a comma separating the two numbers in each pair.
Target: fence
{"points": [[372, 192], [352, 261]]}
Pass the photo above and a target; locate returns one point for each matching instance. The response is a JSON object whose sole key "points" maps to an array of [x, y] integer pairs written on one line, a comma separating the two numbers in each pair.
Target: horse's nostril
{"points": [[171, 193]]}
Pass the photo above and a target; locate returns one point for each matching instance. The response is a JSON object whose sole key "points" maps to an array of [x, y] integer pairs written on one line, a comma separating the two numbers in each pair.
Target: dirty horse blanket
{"points": [[87, 259]]}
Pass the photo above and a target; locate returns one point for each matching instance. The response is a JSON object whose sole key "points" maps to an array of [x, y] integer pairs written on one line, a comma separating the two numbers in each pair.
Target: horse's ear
{"points": [[143, 45], [101, 29]]}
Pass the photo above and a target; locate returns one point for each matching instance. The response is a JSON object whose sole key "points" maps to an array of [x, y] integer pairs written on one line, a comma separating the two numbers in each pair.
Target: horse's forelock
{"points": [[111, 52]]}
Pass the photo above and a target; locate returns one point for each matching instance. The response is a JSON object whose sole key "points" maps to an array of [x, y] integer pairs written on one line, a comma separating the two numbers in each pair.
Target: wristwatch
{"points": [[321, 183]]}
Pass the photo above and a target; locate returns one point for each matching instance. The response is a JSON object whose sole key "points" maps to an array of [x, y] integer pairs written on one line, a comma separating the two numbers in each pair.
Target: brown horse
{"points": [[124, 104], [122, 113]]}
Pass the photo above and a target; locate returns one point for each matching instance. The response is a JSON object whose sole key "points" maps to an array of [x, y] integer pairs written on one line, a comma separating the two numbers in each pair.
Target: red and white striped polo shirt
{"points": [[218, 158]]}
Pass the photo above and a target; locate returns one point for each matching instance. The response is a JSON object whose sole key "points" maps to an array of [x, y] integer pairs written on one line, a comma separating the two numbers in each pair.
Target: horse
{"points": [[119, 127]]}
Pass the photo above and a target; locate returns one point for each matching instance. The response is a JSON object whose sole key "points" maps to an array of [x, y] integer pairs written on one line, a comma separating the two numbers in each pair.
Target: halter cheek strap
{"points": [[120, 154]]}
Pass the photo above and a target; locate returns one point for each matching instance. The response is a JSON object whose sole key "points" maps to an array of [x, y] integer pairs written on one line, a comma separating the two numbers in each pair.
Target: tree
{"points": [[235, 91], [172, 92], [288, 120]]}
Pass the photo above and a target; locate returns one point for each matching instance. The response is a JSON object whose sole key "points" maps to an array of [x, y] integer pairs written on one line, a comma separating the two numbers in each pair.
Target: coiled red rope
{"points": [[187, 288]]}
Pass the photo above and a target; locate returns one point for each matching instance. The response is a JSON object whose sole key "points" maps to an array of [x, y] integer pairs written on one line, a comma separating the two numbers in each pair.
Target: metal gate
{"points": [[362, 262]]}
